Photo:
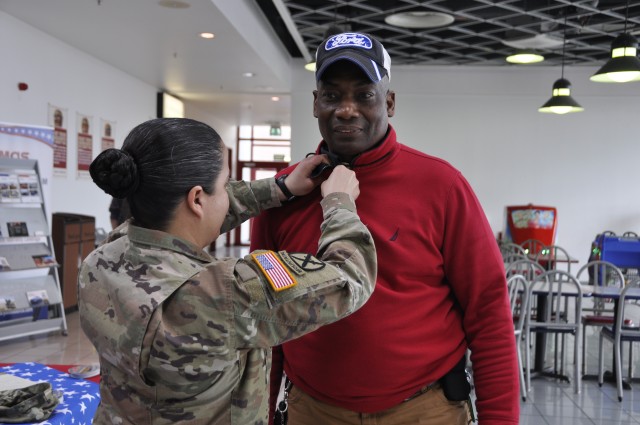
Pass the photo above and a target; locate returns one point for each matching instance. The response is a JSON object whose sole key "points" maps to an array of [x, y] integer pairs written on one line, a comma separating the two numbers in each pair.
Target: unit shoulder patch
{"points": [[306, 262], [274, 270]]}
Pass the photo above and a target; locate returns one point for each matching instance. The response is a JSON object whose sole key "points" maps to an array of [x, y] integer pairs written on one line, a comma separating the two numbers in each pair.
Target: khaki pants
{"points": [[430, 408]]}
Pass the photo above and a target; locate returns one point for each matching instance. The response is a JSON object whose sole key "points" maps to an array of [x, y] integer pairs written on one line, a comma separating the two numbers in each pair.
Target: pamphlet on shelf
{"points": [[44, 260], [7, 303], [38, 298], [84, 371], [4, 264], [9, 188], [17, 228]]}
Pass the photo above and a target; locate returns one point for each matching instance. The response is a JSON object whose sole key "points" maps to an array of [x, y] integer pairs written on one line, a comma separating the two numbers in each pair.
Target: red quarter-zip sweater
{"points": [[441, 289]]}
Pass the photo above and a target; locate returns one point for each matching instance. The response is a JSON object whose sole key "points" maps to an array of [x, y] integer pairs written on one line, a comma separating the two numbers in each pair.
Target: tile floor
{"points": [[550, 402]]}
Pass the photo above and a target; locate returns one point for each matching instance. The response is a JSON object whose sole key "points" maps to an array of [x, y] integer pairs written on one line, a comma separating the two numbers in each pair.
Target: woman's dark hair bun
{"points": [[115, 172]]}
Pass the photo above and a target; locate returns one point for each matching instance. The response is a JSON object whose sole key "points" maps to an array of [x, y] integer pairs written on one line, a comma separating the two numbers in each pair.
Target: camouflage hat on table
{"points": [[361, 49]]}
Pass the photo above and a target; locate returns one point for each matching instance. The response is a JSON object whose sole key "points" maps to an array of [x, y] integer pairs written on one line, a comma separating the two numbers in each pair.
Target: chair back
{"points": [[629, 234], [507, 248], [510, 258], [532, 247], [619, 329], [554, 257], [519, 299], [558, 286], [525, 267], [601, 273]]}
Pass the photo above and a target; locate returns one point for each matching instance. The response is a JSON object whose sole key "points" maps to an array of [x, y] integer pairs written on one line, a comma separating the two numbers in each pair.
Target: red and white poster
{"points": [[85, 144], [58, 120], [108, 140]]}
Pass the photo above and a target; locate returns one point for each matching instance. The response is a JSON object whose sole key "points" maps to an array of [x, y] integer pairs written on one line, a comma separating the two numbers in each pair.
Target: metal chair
{"points": [[532, 247], [519, 298], [553, 257], [598, 273], [530, 269], [554, 316], [618, 334], [507, 248]]}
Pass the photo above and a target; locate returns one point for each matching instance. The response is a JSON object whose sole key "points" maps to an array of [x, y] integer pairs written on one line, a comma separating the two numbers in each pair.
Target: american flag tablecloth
{"points": [[81, 397]]}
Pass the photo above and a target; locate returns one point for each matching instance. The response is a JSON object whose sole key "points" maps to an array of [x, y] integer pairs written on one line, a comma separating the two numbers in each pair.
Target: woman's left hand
{"points": [[299, 181]]}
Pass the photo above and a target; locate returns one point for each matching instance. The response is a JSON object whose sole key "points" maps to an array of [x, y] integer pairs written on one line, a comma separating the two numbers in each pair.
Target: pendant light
{"points": [[561, 101], [525, 57], [624, 65]]}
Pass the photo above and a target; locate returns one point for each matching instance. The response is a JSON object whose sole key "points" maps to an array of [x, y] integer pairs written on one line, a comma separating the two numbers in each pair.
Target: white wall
{"points": [[66, 77], [484, 121]]}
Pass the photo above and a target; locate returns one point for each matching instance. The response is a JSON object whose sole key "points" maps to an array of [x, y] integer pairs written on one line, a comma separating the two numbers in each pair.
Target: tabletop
{"points": [[591, 291]]}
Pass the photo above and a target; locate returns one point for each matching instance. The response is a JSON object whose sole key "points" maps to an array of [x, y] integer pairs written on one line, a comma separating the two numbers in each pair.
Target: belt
{"points": [[420, 391]]}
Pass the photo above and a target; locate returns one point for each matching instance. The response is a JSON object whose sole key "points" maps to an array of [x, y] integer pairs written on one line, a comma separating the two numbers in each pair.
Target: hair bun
{"points": [[115, 172]]}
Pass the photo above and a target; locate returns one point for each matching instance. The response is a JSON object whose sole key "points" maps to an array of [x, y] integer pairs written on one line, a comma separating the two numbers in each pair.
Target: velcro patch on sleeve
{"points": [[291, 263], [274, 270]]}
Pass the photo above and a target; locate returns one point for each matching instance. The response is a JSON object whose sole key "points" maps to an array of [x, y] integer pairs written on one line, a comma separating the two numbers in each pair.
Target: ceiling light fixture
{"points": [[419, 19], [207, 35], [561, 101], [174, 4], [624, 65], [525, 58]]}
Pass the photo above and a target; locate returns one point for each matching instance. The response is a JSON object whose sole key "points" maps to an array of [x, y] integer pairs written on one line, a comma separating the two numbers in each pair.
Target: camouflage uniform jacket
{"points": [[185, 338]]}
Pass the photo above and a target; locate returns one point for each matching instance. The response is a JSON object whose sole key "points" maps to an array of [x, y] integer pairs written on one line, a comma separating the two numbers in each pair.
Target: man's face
{"points": [[353, 112]]}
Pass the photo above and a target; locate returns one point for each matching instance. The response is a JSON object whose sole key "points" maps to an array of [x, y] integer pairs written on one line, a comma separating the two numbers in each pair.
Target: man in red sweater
{"points": [[441, 285]]}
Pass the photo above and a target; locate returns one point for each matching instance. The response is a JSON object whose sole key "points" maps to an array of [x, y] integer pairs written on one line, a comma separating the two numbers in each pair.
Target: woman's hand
{"points": [[341, 180], [299, 181]]}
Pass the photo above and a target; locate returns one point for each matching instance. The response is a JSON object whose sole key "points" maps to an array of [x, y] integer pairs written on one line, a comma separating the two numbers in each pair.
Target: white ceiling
{"points": [[161, 46]]}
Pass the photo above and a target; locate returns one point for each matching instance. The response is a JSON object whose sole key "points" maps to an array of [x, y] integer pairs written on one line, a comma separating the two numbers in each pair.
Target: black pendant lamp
{"points": [[561, 101], [624, 65]]}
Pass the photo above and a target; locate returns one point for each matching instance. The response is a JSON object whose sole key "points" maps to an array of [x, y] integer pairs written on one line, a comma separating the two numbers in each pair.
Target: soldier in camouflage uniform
{"points": [[184, 337]]}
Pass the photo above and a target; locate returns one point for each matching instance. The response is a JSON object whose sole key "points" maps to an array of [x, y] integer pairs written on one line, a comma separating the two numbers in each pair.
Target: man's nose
{"points": [[347, 109]]}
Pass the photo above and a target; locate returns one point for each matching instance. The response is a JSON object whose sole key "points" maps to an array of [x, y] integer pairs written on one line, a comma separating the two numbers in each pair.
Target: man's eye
{"points": [[330, 95]]}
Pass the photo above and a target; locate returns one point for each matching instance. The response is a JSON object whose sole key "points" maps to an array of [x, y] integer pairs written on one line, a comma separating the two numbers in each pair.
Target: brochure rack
{"points": [[30, 296]]}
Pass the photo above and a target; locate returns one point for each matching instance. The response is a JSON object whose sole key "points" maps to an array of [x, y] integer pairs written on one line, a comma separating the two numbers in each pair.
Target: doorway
{"points": [[263, 151]]}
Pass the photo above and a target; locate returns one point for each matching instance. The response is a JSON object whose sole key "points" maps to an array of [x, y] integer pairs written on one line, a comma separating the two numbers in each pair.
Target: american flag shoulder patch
{"points": [[274, 270]]}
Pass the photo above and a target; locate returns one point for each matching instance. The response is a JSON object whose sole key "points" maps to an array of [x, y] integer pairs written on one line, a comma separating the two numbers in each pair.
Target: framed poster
{"points": [[108, 135], [57, 120], [85, 144]]}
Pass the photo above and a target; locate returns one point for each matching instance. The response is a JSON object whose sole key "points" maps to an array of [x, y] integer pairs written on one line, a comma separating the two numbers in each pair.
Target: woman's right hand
{"points": [[341, 180]]}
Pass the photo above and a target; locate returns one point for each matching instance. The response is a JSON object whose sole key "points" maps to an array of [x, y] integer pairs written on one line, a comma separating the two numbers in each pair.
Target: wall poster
{"points": [[108, 140], [85, 144], [58, 120]]}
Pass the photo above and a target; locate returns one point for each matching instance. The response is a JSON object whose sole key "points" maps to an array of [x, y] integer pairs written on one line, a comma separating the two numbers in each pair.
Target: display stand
{"points": [[30, 296]]}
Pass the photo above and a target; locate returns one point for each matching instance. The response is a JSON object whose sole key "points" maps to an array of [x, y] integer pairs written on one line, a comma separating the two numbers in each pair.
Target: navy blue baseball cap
{"points": [[361, 49]]}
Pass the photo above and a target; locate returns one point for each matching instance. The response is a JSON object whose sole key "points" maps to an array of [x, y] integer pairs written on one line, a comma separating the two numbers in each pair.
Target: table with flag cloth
{"points": [[81, 396]]}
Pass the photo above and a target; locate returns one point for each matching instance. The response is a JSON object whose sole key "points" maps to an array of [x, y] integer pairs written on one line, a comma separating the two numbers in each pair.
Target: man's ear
{"points": [[194, 201], [315, 99], [391, 103]]}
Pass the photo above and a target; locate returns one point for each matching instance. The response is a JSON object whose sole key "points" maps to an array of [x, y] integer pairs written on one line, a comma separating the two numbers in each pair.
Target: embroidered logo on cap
{"points": [[273, 269], [348, 39]]}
